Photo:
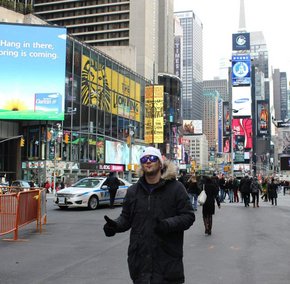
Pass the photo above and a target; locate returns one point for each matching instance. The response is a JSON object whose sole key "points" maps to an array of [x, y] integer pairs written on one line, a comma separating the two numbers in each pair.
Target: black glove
{"points": [[110, 228], [162, 227]]}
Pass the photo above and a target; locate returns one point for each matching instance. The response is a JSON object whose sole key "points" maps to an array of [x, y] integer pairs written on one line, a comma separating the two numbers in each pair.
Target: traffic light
{"points": [[22, 142], [66, 138]]}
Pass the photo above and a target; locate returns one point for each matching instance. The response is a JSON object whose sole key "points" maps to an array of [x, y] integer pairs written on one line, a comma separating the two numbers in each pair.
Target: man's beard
{"points": [[151, 173]]}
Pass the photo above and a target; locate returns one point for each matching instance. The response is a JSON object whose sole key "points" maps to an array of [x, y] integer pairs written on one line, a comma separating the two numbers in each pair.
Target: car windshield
{"points": [[87, 183]]}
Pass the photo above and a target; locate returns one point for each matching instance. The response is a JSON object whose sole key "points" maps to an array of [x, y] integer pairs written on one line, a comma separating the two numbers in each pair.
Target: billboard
{"points": [[32, 83], [119, 152], [226, 145], [226, 119], [242, 101], [262, 118], [154, 124], [241, 41], [110, 90], [242, 132], [285, 163], [241, 70], [191, 127]]}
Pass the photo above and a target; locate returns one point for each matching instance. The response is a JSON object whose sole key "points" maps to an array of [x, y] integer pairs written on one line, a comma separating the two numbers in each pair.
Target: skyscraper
{"points": [[192, 72], [128, 31], [280, 94]]}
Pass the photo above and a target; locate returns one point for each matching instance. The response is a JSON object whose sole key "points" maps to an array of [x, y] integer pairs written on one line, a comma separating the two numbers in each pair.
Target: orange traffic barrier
{"points": [[8, 213], [20, 209]]}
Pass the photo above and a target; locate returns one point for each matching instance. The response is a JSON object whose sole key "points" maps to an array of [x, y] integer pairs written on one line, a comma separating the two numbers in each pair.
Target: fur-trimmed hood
{"points": [[169, 170]]}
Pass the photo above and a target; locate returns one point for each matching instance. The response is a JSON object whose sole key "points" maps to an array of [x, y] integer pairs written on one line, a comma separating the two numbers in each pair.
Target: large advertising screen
{"points": [[241, 70], [285, 163], [118, 153], [242, 101], [32, 74], [226, 119], [262, 118], [242, 132], [241, 41], [110, 90], [154, 125], [191, 127]]}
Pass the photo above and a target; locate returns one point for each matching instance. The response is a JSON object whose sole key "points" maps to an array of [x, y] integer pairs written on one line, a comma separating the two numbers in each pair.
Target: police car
{"points": [[89, 192]]}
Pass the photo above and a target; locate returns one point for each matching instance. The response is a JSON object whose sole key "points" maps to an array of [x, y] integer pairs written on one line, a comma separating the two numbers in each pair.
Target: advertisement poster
{"points": [[226, 119], [262, 117], [226, 145], [241, 41], [149, 112], [32, 84], [158, 122], [241, 70], [242, 127], [109, 90], [242, 101], [119, 153], [191, 127]]}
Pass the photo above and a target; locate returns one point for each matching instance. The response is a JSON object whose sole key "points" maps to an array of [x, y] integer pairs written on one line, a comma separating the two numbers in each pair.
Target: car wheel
{"points": [[93, 203]]}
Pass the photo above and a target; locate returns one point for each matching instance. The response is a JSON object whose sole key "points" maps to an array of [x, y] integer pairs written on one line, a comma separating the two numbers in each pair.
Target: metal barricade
{"points": [[20, 209]]}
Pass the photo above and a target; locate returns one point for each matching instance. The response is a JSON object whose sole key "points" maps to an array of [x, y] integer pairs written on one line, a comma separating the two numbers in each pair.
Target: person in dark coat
{"points": [[113, 184], [193, 191], [208, 208], [272, 191], [245, 189], [157, 209]]}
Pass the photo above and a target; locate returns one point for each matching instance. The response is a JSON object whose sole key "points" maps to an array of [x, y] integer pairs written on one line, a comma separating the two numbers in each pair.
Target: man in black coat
{"points": [[113, 184], [245, 189], [157, 209]]}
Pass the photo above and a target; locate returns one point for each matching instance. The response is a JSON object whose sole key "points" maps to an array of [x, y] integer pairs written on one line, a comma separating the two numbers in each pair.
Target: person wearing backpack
{"points": [[255, 189]]}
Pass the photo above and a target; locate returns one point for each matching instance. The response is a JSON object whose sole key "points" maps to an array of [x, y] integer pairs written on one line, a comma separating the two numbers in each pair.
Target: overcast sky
{"points": [[220, 20]]}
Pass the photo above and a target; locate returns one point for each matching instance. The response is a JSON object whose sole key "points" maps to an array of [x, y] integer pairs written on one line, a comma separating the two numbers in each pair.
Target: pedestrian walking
{"points": [[272, 192], [236, 189], [222, 185], [113, 184], [157, 209], [255, 190], [230, 189], [208, 208], [264, 195], [245, 189], [193, 190]]}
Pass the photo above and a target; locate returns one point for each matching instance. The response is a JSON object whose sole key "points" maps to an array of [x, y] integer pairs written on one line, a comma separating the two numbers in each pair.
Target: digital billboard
{"points": [[154, 125], [242, 101], [242, 132], [191, 127], [226, 144], [285, 163], [119, 152], [262, 118], [32, 74], [241, 70], [241, 41], [226, 119]]}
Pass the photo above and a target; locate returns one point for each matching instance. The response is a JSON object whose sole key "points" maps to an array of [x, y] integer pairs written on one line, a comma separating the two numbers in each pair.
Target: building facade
{"points": [[133, 32], [192, 69], [104, 100]]}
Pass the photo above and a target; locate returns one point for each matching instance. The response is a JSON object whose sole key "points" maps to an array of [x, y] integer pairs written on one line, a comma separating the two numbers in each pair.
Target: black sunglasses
{"points": [[151, 158]]}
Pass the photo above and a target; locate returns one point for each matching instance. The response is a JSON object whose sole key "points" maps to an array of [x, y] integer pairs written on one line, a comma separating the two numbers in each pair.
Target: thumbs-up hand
{"points": [[110, 228]]}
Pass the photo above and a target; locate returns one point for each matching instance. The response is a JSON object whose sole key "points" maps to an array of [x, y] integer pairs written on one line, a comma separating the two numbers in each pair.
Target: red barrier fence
{"points": [[20, 209]]}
